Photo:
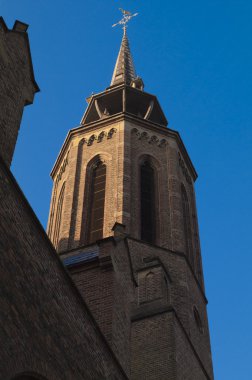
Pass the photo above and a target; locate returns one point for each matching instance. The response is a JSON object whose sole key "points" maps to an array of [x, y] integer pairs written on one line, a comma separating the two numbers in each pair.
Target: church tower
{"points": [[123, 219]]}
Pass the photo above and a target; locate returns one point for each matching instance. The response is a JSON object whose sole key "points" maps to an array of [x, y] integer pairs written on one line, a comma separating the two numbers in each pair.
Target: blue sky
{"points": [[197, 58]]}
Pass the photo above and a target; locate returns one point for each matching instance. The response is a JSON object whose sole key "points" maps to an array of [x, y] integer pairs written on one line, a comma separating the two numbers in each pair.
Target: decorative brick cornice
{"points": [[152, 139], [139, 122], [100, 137]]}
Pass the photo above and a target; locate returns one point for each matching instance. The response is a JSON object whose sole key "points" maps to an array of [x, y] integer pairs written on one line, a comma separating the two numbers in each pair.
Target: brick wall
{"points": [[182, 294], [140, 300], [106, 286], [46, 327], [17, 84], [122, 154], [144, 283], [96, 285], [171, 173], [74, 169], [152, 348]]}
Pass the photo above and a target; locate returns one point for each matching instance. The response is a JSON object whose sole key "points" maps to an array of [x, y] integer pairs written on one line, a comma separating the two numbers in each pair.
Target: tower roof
{"points": [[124, 71]]}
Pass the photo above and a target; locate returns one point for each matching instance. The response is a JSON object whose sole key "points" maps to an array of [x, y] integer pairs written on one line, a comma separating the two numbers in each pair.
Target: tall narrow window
{"points": [[96, 214], [148, 223], [58, 216], [187, 224]]}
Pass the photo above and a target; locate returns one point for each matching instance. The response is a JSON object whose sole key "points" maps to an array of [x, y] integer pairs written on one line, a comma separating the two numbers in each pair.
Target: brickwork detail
{"points": [[152, 139], [17, 85], [100, 137], [47, 327], [151, 285], [85, 150]]}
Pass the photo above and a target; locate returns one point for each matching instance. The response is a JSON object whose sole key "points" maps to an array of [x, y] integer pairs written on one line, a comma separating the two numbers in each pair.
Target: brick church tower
{"points": [[123, 219]]}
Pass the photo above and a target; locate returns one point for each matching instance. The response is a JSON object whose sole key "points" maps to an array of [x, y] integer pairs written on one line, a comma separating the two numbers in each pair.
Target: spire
{"points": [[124, 71]]}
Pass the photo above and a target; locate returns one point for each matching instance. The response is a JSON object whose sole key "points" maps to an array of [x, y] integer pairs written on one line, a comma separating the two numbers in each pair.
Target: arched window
{"points": [[187, 224], [58, 216], [148, 219], [97, 201]]}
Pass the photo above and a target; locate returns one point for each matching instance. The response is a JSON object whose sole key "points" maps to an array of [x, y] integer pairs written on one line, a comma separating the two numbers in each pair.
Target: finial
{"points": [[127, 16]]}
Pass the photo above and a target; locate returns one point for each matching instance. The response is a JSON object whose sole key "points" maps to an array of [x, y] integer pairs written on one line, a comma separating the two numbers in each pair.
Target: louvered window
{"points": [[148, 223], [96, 214]]}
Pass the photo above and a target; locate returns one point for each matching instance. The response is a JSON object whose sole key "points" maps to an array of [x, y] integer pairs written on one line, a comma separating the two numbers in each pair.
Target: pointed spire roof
{"points": [[124, 71]]}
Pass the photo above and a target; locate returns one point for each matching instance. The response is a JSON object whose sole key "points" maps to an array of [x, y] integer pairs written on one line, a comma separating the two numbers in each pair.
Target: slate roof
{"points": [[124, 71], [83, 257]]}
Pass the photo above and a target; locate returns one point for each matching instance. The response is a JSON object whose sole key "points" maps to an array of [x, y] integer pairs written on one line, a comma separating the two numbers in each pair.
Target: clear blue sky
{"points": [[196, 57]]}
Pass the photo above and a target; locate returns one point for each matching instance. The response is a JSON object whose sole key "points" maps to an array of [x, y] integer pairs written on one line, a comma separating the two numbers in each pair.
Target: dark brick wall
{"points": [[17, 84], [46, 327], [152, 348], [148, 317], [96, 283], [188, 363], [184, 292], [106, 286], [161, 350]]}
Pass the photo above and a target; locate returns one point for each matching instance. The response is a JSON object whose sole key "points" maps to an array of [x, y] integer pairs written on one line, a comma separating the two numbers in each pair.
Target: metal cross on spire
{"points": [[127, 16]]}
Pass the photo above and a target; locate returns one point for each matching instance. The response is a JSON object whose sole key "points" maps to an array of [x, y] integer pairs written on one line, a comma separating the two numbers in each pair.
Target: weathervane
{"points": [[127, 16]]}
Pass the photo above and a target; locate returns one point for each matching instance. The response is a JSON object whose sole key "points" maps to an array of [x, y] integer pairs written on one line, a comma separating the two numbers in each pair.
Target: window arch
{"points": [[97, 202], [58, 216], [148, 213], [187, 224]]}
